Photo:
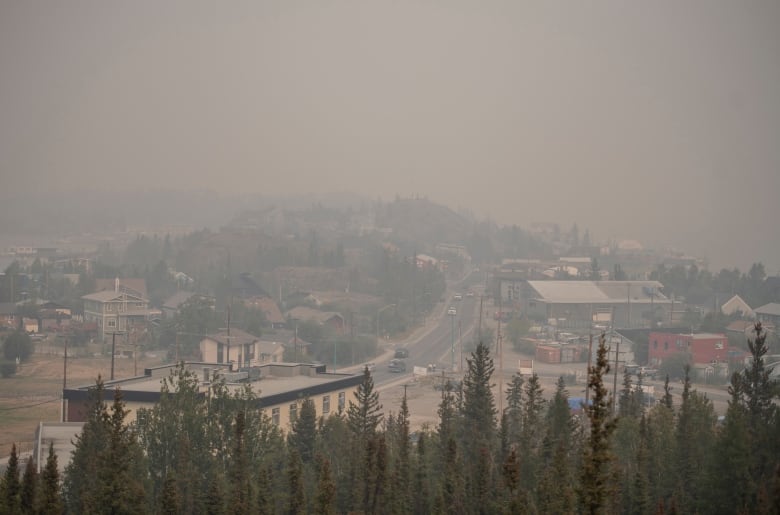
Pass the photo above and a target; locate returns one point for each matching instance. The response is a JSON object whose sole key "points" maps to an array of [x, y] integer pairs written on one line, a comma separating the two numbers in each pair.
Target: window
{"points": [[655, 344], [666, 345], [342, 401], [275, 416], [326, 404], [679, 343], [112, 323], [293, 412]]}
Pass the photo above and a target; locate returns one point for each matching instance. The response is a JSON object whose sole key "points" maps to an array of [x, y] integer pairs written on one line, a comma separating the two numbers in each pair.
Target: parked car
{"points": [[401, 353], [458, 296], [470, 294], [396, 366], [452, 311]]}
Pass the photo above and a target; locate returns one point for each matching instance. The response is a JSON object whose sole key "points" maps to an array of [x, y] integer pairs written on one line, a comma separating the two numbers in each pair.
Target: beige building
{"points": [[117, 311], [240, 349], [280, 387]]}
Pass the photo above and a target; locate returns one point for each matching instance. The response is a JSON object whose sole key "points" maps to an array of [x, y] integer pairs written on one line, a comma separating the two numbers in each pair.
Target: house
{"points": [[241, 348], [117, 311], [53, 317], [9, 319], [736, 306], [325, 318], [769, 314], [579, 304], [281, 387], [173, 304], [270, 309], [424, 261], [704, 348]]}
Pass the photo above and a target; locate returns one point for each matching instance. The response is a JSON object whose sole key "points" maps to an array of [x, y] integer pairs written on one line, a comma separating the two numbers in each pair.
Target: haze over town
{"points": [[655, 122]]}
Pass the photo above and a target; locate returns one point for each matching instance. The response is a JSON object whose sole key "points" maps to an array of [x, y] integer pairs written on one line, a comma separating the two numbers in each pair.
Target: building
{"points": [[703, 348], [118, 311], [736, 306], [174, 303], [281, 387], [579, 304], [273, 315], [9, 319], [240, 348], [769, 314], [325, 318]]}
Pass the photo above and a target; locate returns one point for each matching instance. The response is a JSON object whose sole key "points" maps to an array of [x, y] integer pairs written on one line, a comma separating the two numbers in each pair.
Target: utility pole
{"points": [[113, 353], [614, 381], [64, 381], [228, 335], [460, 344], [587, 375], [500, 360]]}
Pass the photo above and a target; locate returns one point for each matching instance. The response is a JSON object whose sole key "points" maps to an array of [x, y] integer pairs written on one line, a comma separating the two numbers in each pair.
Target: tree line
{"points": [[216, 453]]}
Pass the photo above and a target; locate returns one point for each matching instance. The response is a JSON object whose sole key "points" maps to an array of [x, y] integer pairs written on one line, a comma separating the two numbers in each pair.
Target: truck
{"points": [[396, 366]]}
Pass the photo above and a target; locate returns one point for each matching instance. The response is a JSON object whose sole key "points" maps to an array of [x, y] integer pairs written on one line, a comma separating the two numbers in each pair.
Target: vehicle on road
{"points": [[452, 311], [396, 366], [470, 294], [371, 367], [458, 296], [401, 353]]}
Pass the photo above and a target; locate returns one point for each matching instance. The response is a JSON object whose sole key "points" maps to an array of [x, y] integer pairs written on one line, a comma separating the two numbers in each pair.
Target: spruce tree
{"points": [[169, 500], [50, 496], [10, 487], [296, 502], [303, 434], [479, 426], [29, 487], [596, 474], [421, 498], [239, 480], [365, 414], [325, 499]]}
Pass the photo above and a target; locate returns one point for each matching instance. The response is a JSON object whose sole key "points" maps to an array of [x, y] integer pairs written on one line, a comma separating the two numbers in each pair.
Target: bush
{"points": [[7, 368], [17, 345]]}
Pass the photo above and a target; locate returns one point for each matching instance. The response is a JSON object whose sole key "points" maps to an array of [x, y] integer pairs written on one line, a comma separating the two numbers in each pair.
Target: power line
{"points": [[28, 405]]}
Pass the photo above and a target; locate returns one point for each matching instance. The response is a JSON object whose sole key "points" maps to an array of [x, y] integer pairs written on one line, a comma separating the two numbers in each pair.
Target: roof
{"points": [[109, 295], [269, 308], [177, 299], [307, 313], [598, 292], [237, 337], [773, 308], [133, 283], [736, 305]]}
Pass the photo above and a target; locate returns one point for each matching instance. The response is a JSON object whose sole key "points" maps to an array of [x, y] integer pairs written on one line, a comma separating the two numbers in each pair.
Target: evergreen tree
{"points": [[762, 413], [531, 433], [214, 503], [514, 415], [239, 479], [325, 501], [479, 425], [169, 500], [595, 477], [29, 487], [695, 425], [83, 470], [303, 434], [451, 499], [421, 499], [365, 415], [50, 497], [10, 487], [667, 399], [731, 486], [265, 497], [296, 501]]}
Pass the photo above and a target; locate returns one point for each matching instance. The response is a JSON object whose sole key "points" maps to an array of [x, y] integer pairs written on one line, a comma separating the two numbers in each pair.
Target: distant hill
{"points": [[420, 222]]}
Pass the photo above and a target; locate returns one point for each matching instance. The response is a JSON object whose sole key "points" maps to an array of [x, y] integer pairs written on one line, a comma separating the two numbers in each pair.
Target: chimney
{"points": [[116, 284]]}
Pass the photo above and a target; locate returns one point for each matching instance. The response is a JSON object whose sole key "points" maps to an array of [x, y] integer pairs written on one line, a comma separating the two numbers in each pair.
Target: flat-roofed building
{"points": [[578, 304], [280, 387]]}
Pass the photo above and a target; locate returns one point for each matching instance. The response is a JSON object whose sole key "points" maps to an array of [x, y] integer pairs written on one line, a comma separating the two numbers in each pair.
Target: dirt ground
{"points": [[34, 394]]}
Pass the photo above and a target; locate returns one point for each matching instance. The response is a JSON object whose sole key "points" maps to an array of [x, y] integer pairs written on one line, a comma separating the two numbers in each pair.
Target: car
{"points": [[371, 367], [452, 312], [470, 294], [396, 366], [401, 353], [458, 296]]}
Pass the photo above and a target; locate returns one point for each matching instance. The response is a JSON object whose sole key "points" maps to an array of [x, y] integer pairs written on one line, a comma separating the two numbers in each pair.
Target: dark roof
{"points": [[243, 285]]}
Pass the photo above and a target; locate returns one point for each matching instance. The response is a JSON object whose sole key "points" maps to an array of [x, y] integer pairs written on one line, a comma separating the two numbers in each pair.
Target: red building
{"points": [[703, 348]]}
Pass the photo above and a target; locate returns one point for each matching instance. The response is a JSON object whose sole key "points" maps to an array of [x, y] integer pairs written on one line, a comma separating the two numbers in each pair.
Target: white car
{"points": [[458, 296], [452, 312]]}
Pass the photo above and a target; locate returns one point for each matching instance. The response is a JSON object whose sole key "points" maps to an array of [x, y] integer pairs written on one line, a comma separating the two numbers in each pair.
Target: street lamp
{"points": [[378, 311], [451, 314]]}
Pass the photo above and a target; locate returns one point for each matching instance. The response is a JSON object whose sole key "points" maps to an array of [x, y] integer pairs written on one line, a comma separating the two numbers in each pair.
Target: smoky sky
{"points": [[656, 121]]}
